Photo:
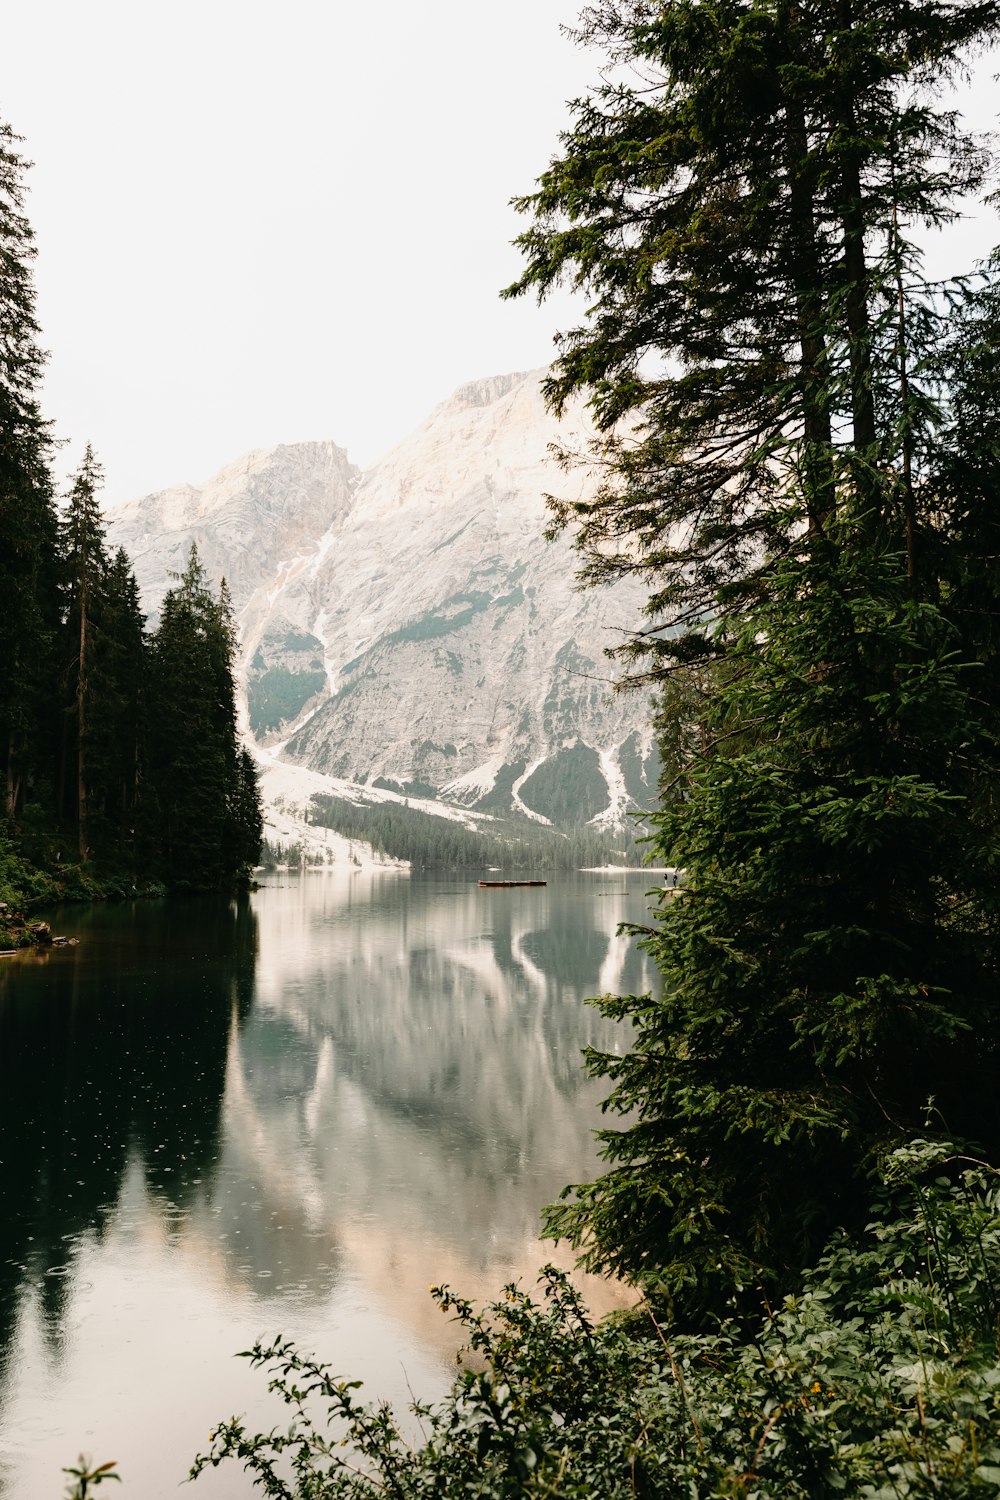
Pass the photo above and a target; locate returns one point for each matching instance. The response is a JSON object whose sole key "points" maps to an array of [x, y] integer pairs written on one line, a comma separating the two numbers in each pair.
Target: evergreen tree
{"points": [[186, 767], [732, 200], [830, 965], [28, 577], [247, 814], [761, 337], [224, 720], [202, 787], [244, 812], [86, 566], [962, 534], [116, 732]]}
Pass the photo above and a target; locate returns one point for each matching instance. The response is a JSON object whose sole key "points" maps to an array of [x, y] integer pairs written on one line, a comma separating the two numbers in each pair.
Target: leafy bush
{"points": [[21, 885], [878, 1379]]}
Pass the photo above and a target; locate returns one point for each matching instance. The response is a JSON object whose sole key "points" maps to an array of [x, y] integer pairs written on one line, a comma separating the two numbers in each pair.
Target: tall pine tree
{"points": [[116, 730], [760, 354], [28, 571], [86, 566], [202, 786], [732, 201]]}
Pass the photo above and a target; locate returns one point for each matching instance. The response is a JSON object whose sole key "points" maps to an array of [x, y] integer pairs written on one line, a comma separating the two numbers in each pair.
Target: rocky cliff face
{"points": [[270, 505], [410, 627]]}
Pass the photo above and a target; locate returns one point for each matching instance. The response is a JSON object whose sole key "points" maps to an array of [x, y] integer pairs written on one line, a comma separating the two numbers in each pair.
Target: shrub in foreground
{"points": [[879, 1379]]}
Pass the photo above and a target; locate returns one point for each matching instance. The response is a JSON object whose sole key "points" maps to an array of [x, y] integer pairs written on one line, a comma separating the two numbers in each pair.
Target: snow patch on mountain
{"points": [[515, 795], [615, 814], [288, 790], [473, 785]]}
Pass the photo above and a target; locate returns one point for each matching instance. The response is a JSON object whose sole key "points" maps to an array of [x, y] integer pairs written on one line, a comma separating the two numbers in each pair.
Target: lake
{"points": [[289, 1113]]}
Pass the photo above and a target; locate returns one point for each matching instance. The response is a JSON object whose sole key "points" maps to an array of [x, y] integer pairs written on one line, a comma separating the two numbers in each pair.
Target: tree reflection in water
{"points": [[294, 1111]]}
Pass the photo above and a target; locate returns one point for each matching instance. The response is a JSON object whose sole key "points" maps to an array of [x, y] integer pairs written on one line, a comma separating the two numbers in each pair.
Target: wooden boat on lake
{"points": [[494, 884]]}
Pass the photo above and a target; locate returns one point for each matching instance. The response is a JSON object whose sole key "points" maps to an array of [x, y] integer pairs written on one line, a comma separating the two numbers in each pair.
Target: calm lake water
{"points": [[288, 1114]]}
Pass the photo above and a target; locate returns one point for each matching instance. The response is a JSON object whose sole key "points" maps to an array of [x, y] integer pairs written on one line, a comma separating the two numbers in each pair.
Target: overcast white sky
{"points": [[262, 223]]}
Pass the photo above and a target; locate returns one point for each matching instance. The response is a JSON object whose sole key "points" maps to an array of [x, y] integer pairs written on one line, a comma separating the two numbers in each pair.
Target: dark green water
{"points": [[293, 1113]]}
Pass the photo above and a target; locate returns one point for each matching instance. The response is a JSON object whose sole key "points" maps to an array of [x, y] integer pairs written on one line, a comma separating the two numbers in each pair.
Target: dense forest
{"points": [[431, 842], [120, 765], [799, 433]]}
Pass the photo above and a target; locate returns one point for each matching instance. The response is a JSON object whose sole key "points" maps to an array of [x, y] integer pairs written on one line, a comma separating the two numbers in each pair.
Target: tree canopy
{"points": [[205, 786], [734, 201], [28, 620], [799, 454]]}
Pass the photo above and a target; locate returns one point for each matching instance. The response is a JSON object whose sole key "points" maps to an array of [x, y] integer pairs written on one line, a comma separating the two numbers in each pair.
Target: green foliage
{"points": [[286, 671], [434, 623], [964, 542], [297, 641], [641, 773], [454, 613], [85, 1478], [568, 787], [831, 959], [86, 564], [278, 695], [28, 542], [499, 798], [41, 878], [806, 475], [152, 787], [118, 682], [21, 885], [878, 1379], [733, 200], [406, 788], [246, 815], [204, 786]]}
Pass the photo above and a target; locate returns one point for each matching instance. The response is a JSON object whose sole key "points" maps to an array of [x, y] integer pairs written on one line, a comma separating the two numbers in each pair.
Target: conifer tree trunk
{"points": [[906, 436], [856, 314], [81, 725], [807, 281], [815, 370], [84, 532], [856, 283], [13, 780]]}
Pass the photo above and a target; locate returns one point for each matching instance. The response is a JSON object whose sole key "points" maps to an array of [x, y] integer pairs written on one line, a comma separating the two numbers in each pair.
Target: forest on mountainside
{"points": [[120, 765], [799, 433], [430, 842]]}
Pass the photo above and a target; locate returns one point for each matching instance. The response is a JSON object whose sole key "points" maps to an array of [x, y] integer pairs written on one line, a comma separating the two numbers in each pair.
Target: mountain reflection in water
{"points": [[290, 1112]]}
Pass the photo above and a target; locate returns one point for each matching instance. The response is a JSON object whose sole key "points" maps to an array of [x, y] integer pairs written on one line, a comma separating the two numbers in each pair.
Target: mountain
{"points": [[409, 628], [271, 503]]}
